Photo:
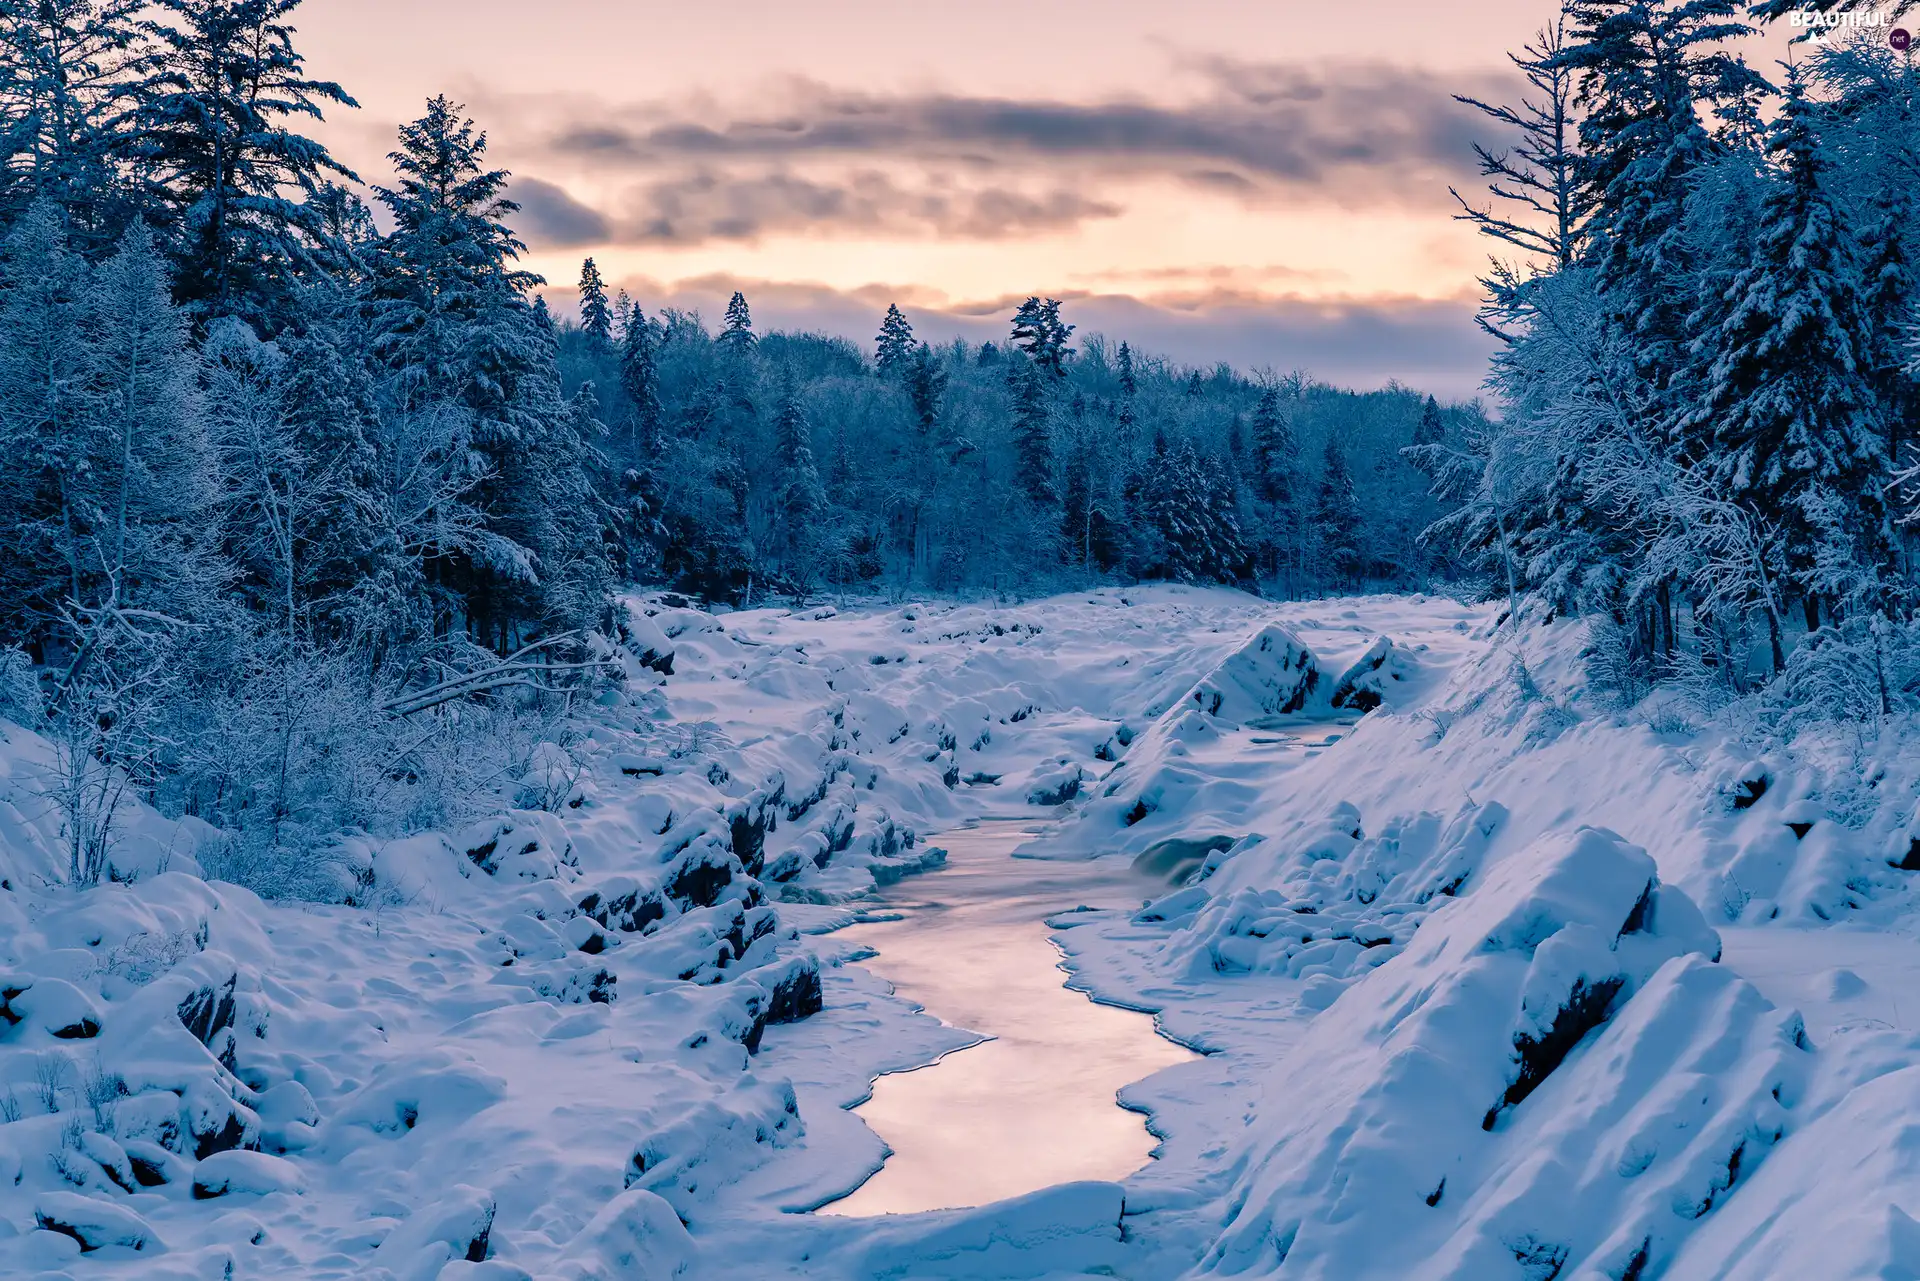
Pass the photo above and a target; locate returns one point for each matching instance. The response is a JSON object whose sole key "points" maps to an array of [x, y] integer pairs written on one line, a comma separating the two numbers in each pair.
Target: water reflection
{"points": [[1034, 1105]]}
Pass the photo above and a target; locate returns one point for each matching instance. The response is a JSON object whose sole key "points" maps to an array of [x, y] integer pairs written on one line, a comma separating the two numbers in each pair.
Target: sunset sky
{"points": [[1264, 183]]}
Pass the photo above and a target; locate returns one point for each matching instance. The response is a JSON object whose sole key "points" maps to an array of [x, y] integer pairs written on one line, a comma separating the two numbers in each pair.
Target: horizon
{"points": [[1264, 190]]}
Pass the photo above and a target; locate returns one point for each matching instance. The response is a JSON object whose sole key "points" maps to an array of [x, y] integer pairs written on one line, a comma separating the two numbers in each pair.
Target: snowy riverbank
{"points": [[1452, 1028]]}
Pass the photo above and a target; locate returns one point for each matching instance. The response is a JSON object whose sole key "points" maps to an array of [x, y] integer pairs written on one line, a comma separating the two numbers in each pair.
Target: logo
{"points": [[1825, 26], [1899, 38]]}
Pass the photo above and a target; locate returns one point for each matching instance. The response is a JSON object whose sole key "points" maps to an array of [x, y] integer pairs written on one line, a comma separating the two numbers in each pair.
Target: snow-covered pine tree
{"points": [[925, 381], [1273, 466], [1129, 386], [1786, 402], [1646, 66], [1336, 520], [737, 335], [217, 153], [894, 345], [640, 380], [70, 73], [1432, 428], [799, 501], [596, 317], [1032, 433], [453, 325], [1039, 331], [54, 443]]}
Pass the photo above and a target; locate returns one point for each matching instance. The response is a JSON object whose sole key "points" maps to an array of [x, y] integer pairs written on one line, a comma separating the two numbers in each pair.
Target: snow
{"points": [[1489, 981]]}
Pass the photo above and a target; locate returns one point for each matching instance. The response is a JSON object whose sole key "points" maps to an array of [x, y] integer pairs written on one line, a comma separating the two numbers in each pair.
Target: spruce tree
{"points": [[71, 72], [452, 322], [1336, 519], [926, 384], [1787, 402], [1432, 428], [596, 317], [799, 502], [894, 345], [1273, 464], [1042, 335], [218, 153], [737, 336], [1032, 434]]}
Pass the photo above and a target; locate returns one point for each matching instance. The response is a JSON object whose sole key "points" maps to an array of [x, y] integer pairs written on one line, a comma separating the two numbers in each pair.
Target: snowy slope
{"points": [[1495, 983]]}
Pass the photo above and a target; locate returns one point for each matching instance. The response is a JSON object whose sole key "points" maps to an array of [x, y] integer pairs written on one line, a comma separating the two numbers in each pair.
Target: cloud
{"points": [[1328, 128], [552, 219], [711, 204], [1360, 342], [839, 161]]}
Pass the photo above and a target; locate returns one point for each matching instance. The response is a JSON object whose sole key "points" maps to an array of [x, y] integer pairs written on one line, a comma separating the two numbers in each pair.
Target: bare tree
{"points": [[1539, 205]]}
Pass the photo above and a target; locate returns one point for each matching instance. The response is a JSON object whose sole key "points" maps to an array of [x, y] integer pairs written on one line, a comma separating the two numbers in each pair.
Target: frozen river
{"points": [[1034, 1104]]}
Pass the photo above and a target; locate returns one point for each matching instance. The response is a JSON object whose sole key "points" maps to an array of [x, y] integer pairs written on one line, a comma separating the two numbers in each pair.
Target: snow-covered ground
{"points": [[1492, 984]]}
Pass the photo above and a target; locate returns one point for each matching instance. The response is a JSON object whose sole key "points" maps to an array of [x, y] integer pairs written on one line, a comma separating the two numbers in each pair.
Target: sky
{"points": [[1263, 182]]}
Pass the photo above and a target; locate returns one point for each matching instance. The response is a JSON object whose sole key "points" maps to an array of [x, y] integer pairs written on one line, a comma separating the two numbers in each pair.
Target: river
{"points": [[1034, 1104]]}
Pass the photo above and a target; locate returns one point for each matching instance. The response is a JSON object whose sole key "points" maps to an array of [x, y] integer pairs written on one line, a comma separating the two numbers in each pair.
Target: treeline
{"points": [[1706, 381], [786, 463], [307, 526]]}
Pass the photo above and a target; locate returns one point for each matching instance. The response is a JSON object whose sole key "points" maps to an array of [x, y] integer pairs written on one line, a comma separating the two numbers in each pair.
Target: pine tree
{"points": [[451, 320], [1432, 428], [1042, 335], [70, 74], [926, 384], [217, 152], [1787, 401], [1336, 519], [596, 318], [640, 380], [799, 502], [1888, 297], [737, 337], [1273, 465], [1544, 204], [894, 346], [1032, 434], [54, 443], [1129, 386]]}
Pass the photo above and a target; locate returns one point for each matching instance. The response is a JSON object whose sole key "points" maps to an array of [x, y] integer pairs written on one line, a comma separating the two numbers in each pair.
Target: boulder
{"points": [[94, 1223], [245, 1173]]}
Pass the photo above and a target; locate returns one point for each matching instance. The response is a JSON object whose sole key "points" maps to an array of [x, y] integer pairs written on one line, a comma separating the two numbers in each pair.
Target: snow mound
{"points": [[1273, 674], [1337, 903], [1465, 1071]]}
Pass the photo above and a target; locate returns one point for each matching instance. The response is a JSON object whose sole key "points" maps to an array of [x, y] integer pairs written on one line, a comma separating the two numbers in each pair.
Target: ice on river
{"points": [[1034, 1105]]}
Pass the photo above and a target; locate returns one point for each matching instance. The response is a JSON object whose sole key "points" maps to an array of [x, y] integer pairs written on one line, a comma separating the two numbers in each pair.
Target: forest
{"points": [[310, 493], [315, 514]]}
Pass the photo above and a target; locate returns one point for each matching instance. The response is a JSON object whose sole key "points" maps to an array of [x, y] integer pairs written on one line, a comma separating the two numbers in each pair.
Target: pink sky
{"points": [[1258, 182]]}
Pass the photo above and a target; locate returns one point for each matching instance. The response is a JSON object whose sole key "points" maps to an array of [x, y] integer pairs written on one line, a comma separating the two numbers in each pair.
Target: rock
{"points": [[641, 637], [793, 988], [251, 1173], [637, 1236], [462, 1221], [57, 1007], [94, 1223], [1366, 684], [208, 1013], [1273, 674], [111, 1158], [701, 873], [153, 1166], [217, 1121], [1176, 859], [520, 845]]}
